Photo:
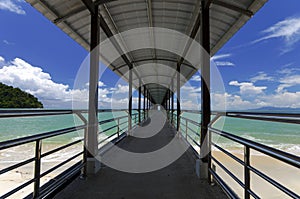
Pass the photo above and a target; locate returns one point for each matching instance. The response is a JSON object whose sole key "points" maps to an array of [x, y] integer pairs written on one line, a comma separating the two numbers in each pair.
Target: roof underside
{"points": [[226, 18]]}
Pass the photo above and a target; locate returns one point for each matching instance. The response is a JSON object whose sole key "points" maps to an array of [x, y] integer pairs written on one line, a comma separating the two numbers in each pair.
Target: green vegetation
{"points": [[11, 97]]}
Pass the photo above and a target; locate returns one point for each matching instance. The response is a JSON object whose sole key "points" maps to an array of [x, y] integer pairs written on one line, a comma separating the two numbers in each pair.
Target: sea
{"points": [[281, 136]]}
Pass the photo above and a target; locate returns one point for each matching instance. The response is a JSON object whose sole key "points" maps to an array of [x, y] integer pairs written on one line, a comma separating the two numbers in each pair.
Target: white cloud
{"points": [[261, 76], [222, 63], [226, 101], [121, 89], [283, 99], [196, 78], [12, 6], [220, 56], [288, 81], [248, 88], [7, 42], [288, 29], [2, 60]]}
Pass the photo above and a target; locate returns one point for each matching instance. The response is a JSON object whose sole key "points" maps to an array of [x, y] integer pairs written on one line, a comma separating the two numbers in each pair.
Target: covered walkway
{"points": [[178, 180]]}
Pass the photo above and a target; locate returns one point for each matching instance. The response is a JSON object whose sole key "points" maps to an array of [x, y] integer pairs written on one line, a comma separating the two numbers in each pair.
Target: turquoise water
{"points": [[12, 128], [279, 135], [282, 136]]}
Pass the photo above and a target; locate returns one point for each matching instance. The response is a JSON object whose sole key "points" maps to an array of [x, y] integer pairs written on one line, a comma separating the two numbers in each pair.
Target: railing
{"points": [[249, 145], [76, 169], [289, 159]]}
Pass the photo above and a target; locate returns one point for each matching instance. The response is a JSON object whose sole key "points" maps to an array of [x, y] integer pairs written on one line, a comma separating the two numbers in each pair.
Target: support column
{"points": [[140, 96], [130, 102], [205, 90], [91, 139], [147, 104], [144, 102], [178, 98], [169, 109], [172, 103]]}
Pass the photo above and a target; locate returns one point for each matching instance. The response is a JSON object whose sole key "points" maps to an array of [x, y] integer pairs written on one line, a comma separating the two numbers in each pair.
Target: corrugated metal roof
{"points": [[226, 18]]}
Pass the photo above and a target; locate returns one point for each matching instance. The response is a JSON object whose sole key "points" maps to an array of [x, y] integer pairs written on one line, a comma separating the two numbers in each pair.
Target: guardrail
{"points": [[281, 156], [76, 169], [248, 145]]}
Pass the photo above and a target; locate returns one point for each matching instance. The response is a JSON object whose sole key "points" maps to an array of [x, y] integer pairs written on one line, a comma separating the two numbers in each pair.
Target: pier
{"points": [[131, 38]]}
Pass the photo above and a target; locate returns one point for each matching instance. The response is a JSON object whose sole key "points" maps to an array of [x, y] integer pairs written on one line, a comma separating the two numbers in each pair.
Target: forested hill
{"points": [[11, 97]]}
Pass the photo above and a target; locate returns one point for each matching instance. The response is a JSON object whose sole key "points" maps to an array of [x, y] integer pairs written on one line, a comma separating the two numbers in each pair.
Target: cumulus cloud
{"points": [[261, 76], [284, 99], [12, 6], [287, 29], [226, 101], [32, 79], [248, 88], [121, 89], [35, 81]]}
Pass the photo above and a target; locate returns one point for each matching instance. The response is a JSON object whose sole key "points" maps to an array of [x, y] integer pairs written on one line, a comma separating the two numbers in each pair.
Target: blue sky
{"points": [[260, 65]]}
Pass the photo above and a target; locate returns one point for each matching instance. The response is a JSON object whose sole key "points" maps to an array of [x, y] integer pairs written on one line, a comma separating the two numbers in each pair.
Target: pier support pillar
{"points": [[140, 96], [130, 102], [205, 89], [178, 98], [91, 137], [144, 107], [172, 103]]}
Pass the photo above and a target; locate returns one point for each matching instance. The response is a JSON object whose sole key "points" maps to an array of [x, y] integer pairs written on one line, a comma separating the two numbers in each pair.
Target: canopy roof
{"points": [[117, 16]]}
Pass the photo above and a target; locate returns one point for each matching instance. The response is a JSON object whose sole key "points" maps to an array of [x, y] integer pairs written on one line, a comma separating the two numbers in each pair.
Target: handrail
{"points": [[38, 138], [289, 159], [282, 156]]}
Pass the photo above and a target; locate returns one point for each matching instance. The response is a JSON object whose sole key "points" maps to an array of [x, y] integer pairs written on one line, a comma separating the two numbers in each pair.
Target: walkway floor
{"points": [[177, 180]]}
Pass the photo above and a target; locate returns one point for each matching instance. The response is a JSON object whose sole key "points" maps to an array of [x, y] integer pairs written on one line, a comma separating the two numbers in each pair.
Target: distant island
{"points": [[11, 97], [276, 109]]}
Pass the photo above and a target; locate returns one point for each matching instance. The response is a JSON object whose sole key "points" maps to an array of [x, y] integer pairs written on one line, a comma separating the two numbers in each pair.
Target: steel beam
{"points": [[248, 13], [155, 59], [89, 4], [100, 2], [69, 14]]}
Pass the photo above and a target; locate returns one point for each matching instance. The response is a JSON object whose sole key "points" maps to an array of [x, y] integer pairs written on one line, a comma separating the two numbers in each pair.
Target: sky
{"points": [[259, 66]]}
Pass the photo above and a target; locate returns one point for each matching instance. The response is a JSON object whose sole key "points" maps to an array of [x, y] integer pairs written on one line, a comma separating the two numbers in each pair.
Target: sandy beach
{"points": [[281, 172], [19, 176]]}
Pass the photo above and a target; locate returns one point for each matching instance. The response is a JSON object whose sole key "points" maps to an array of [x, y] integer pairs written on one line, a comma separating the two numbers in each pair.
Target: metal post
{"points": [[92, 135], [144, 102], [140, 96], [186, 129], [178, 98], [37, 168], [247, 172], [130, 102], [167, 103], [205, 84], [172, 102], [118, 130]]}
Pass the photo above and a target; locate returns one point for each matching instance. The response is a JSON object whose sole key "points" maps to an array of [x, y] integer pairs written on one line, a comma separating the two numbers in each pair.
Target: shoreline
{"points": [[282, 173]]}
